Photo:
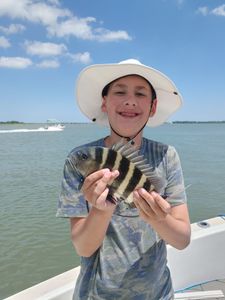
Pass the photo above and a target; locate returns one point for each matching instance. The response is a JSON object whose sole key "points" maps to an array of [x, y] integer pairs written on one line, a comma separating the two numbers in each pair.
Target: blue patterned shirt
{"points": [[131, 263]]}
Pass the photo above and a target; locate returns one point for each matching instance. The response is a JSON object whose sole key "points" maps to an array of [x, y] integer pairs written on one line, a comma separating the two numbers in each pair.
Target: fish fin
{"points": [[176, 192], [132, 153], [118, 146]]}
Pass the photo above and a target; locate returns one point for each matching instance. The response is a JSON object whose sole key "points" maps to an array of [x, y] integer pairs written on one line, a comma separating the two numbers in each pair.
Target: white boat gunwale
{"points": [[205, 237]]}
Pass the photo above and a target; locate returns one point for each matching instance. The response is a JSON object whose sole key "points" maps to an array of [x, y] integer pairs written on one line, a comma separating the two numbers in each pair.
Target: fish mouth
{"points": [[78, 172]]}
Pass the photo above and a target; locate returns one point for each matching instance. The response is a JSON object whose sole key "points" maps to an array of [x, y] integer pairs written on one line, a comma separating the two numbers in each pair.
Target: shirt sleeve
{"points": [[175, 188], [71, 202]]}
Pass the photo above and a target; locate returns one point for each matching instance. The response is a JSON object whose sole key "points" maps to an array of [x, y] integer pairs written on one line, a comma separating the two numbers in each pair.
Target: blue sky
{"points": [[45, 44]]}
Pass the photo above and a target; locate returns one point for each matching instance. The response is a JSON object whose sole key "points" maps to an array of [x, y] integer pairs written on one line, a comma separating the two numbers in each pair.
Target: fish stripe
{"points": [[123, 169], [117, 162], [99, 154], [143, 182], [126, 179], [147, 185], [110, 159], [104, 157], [134, 181]]}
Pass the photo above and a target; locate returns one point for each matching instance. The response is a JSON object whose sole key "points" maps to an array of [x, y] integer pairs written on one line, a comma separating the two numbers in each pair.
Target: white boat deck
{"points": [[209, 290], [193, 270]]}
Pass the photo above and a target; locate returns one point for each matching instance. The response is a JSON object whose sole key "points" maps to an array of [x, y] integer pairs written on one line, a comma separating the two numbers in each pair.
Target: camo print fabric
{"points": [[131, 263]]}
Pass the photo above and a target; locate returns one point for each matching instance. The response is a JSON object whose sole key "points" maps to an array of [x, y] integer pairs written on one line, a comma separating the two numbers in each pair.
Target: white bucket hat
{"points": [[94, 78]]}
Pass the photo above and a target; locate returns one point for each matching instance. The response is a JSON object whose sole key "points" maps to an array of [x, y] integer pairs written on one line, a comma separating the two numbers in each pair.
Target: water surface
{"points": [[34, 244]]}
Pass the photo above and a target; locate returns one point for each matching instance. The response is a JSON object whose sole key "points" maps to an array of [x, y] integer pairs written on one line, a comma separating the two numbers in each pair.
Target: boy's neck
{"points": [[113, 139]]}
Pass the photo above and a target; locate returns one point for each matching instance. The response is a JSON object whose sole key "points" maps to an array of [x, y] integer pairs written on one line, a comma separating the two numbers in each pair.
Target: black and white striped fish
{"points": [[134, 172]]}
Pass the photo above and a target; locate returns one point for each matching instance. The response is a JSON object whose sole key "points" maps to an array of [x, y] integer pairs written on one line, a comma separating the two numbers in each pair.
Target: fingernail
{"points": [[105, 171], [115, 172], [107, 174]]}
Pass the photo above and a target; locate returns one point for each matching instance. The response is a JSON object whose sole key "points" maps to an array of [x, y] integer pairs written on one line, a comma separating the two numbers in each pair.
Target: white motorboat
{"points": [[198, 272], [52, 125], [55, 127]]}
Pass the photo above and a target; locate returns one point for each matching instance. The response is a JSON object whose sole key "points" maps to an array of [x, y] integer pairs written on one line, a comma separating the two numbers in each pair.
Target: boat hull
{"points": [[203, 260]]}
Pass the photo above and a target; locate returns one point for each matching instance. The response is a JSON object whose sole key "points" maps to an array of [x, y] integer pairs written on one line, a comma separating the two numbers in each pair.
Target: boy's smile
{"points": [[128, 114]]}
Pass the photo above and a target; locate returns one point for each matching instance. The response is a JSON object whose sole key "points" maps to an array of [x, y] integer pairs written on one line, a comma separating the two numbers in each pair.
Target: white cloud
{"points": [[4, 42], [107, 35], [79, 28], [44, 49], [34, 11], [203, 10], [84, 58], [82, 29], [46, 64], [13, 28], [15, 62], [219, 11], [45, 14], [14, 9], [58, 21]]}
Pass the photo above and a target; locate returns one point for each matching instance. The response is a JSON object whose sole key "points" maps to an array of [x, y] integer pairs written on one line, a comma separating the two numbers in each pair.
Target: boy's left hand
{"points": [[151, 205]]}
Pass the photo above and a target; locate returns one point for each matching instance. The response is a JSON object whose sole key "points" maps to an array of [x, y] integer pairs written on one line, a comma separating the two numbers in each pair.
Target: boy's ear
{"points": [[103, 106], [153, 108]]}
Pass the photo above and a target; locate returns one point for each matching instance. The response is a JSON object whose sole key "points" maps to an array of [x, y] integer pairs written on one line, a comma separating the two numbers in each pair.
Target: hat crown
{"points": [[130, 61]]}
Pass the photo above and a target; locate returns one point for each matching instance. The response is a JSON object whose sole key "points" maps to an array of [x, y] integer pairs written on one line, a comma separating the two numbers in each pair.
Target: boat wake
{"points": [[41, 129], [51, 125]]}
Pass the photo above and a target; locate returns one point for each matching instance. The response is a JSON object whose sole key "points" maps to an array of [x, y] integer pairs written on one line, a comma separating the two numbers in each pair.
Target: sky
{"points": [[45, 44]]}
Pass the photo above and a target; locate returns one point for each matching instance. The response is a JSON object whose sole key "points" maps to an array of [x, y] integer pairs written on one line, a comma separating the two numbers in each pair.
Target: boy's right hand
{"points": [[95, 188]]}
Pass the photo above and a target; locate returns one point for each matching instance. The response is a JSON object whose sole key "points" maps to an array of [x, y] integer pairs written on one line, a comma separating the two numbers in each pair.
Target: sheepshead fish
{"points": [[134, 172]]}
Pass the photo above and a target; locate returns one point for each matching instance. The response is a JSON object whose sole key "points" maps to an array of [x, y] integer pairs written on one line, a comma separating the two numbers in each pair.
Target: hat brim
{"points": [[93, 79]]}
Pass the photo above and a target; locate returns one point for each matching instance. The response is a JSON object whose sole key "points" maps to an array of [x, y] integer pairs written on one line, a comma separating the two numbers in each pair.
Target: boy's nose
{"points": [[130, 101]]}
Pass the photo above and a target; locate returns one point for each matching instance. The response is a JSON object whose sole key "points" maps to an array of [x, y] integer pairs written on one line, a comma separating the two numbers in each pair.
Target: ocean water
{"points": [[34, 244]]}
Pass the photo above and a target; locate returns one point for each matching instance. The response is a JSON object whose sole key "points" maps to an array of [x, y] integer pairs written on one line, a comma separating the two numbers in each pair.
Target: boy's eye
{"points": [[140, 94], [119, 92]]}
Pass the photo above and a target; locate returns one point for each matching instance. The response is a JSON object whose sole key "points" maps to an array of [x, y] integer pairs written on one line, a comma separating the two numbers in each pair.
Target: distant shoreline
{"points": [[173, 122], [12, 122], [197, 122]]}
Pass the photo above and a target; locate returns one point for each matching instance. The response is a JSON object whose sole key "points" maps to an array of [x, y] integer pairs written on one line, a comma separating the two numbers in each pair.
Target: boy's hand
{"points": [[95, 188], [151, 205]]}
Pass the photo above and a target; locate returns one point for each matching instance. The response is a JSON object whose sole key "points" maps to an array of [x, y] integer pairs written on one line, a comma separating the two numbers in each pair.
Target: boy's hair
{"points": [[106, 88]]}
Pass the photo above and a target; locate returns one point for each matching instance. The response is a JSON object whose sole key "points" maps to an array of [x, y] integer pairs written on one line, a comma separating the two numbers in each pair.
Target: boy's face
{"points": [[128, 104]]}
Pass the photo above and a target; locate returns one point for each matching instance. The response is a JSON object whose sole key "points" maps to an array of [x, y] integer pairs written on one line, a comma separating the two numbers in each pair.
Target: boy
{"points": [[123, 251]]}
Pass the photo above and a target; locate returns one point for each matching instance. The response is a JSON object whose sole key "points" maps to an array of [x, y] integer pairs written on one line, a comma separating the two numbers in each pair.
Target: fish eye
{"points": [[82, 155]]}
